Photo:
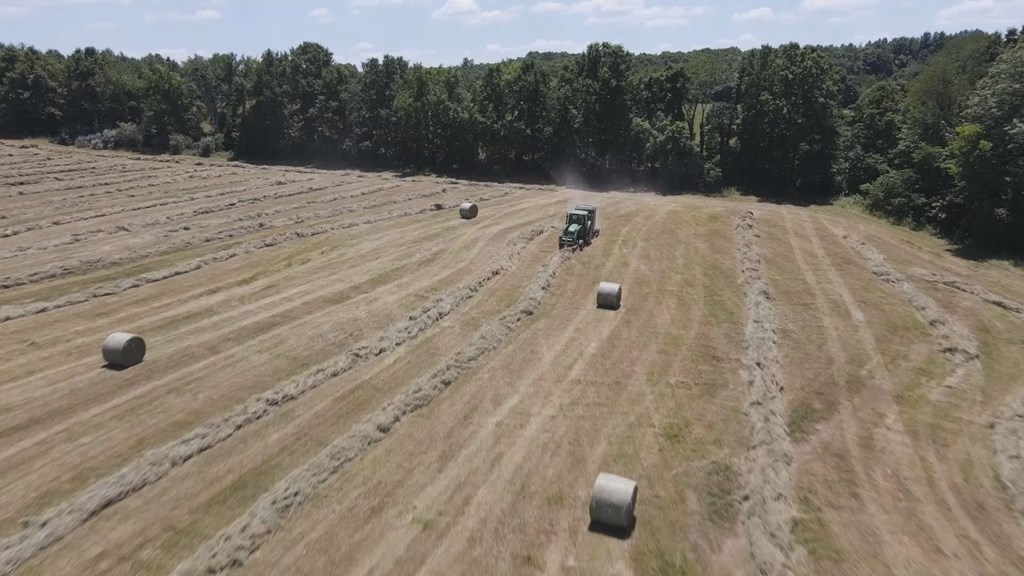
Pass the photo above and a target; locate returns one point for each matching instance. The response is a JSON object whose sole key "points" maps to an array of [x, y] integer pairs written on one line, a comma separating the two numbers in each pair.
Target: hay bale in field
{"points": [[613, 501], [609, 295], [468, 210], [124, 349]]}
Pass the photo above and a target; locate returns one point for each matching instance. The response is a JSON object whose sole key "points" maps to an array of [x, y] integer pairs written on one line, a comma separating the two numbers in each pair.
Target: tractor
{"points": [[580, 227]]}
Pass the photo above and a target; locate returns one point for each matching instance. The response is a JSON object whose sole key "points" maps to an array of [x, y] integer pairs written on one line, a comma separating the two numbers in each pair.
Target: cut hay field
{"points": [[344, 377]]}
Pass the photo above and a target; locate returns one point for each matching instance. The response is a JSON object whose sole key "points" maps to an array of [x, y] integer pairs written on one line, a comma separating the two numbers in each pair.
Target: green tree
{"points": [[31, 91], [988, 155], [380, 82], [263, 130], [788, 101]]}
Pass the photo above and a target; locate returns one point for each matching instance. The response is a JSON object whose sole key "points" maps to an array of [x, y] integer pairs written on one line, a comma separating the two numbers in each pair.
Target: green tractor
{"points": [[580, 227]]}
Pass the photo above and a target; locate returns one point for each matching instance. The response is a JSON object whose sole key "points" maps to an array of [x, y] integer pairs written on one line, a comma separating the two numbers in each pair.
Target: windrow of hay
{"points": [[120, 177], [188, 215], [15, 311], [1008, 441], [974, 290], [231, 548], [62, 519], [768, 510], [954, 341], [175, 198], [39, 182], [253, 223]]}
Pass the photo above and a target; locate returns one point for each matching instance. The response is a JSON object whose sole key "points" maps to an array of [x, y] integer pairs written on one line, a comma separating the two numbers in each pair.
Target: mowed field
{"points": [[344, 377]]}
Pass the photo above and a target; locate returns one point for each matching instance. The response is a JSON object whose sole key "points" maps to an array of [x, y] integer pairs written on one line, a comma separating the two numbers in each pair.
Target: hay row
{"points": [[229, 549], [16, 311], [82, 217], [974, 290], [954, 341], [92, 264], [116, 177], [49, 166], [102, 197], [1008, 442], [228, 205], [768, 512], [161, 186], [62, 519], [51, 172]]}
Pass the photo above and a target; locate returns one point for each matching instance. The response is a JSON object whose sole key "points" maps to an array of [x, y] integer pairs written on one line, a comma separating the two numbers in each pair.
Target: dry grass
{"points": [[341, 374]]}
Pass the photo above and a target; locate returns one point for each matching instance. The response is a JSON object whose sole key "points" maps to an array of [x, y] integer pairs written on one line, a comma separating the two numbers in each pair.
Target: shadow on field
{"points": [[115, 367], [612, 531]]}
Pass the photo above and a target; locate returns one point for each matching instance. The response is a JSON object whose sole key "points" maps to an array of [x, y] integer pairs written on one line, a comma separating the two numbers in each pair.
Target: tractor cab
{"points": [[580, 227]]}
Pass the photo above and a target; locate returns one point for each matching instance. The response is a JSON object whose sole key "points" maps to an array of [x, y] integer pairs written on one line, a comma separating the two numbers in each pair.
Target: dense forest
{"points": [[928, 131]]}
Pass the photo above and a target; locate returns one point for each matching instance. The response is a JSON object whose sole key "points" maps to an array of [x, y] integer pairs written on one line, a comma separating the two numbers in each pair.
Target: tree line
{"points": [[925, 130]]}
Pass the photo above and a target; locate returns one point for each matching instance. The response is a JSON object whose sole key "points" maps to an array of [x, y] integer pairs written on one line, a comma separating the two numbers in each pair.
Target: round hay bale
{"points": [[468, 210], [124, 349], [609, 295], [613, 501]]}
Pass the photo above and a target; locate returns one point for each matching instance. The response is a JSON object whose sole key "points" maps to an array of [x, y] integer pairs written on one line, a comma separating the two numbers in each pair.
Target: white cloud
{"points": [[322, 15], [8, 11], [546, 7], [982, 13], [743, 42], [836, 5], [469, 12], [362, 47], [372, 3], [630, 12], [539, 45], [755, 14], [203, 14]]}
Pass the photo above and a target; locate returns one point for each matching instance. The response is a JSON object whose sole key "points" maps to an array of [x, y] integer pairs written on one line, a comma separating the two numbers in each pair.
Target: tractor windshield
{"points": [[580, 219]]}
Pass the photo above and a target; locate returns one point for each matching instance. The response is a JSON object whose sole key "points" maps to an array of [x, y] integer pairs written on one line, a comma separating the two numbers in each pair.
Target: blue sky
{"points": [[443, 31]]}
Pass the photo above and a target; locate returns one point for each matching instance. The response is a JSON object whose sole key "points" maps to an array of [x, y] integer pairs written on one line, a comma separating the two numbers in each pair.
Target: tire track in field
{"points": [[955, 342], [59, 521], [850, 429], [893, 439], [16, 311], [253, 222], [259, 322], [975, 290], [389, 549], [236, 543], [492, 494], [768, 512]]}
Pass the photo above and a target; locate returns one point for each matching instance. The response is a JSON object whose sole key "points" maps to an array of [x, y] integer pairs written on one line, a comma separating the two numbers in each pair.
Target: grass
{"points": [[719, 494], [812, 532]]}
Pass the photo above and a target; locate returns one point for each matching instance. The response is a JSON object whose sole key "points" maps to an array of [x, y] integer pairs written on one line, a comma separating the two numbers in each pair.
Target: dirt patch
{"points": [[974, 290], [56, 523], [234, 545], [767, 511]]}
